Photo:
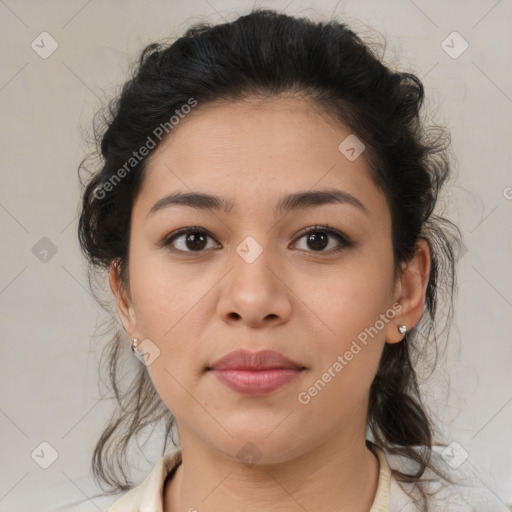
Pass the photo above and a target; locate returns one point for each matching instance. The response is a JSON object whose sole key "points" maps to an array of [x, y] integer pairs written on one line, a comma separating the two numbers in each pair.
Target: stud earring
{"points": [[403, 329]]}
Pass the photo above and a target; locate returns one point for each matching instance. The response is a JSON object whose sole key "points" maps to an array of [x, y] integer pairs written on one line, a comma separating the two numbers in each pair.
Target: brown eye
{"points": [[195, 239], [188, 240], [318, 237]]}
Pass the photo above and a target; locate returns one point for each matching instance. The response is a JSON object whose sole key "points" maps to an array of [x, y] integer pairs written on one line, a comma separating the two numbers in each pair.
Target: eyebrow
{"points": [[291, 202]]}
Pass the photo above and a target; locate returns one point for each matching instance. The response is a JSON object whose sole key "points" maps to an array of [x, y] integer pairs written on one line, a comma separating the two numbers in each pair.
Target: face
{"points": [[252, 277]]}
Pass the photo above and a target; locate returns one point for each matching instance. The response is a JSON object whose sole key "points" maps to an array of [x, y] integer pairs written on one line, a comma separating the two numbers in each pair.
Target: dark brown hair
{"points": [[267, 54]]}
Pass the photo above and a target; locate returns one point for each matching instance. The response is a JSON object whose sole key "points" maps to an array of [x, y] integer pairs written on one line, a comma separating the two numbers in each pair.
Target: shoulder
{"points": [[148, 494], [465, 494]]}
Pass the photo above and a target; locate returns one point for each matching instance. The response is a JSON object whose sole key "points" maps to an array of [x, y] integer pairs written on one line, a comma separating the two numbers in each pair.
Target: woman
{"points": [[265, 207]]}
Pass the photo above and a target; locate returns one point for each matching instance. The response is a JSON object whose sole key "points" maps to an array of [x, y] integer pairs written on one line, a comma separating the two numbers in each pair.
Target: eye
{"points": [[317, 237], [195, 239], [190, 239]]}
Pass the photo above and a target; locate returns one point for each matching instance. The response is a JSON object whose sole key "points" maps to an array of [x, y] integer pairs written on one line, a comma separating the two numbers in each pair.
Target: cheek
{"points": [[355, 312], [345, 363], [163, 295], [173, 305], [349, 300]]}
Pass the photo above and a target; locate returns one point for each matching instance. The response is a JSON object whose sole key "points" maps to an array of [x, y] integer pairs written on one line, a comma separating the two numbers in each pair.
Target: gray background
{"points": [[49, 360]]}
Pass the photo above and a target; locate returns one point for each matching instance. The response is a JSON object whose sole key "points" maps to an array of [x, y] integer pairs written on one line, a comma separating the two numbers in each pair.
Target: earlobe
{"points": [[123, 302], [411, 291]]}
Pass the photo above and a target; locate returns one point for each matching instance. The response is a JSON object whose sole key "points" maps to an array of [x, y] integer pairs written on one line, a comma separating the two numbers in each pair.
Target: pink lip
{"points": [[256, 382], [246, 360], [255, 373]]}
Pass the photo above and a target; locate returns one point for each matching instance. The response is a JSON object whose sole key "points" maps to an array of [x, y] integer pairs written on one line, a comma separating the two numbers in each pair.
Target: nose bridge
{"points": [[255, 291], [252, 263], [257, 253]]}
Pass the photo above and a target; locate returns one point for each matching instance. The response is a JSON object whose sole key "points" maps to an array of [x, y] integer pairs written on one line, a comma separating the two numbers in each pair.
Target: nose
{"points": [[255, 292]]}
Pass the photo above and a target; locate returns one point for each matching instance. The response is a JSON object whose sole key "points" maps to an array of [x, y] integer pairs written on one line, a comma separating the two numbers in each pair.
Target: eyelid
{"points": [[327, 228]]}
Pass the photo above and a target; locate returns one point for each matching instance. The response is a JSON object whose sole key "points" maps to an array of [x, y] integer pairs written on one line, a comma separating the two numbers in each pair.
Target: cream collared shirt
{"points": [[148, 496], [391, 496]]}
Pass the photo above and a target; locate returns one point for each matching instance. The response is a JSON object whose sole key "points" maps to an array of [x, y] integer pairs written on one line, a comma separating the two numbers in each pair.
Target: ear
{"points": [[124, 302], [410, 292]]}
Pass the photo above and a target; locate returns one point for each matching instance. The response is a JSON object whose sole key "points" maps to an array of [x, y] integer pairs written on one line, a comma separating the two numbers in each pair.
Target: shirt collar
{"points": [[148, 496]]}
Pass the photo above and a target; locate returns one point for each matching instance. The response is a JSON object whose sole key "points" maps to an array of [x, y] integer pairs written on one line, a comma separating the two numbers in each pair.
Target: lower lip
{"points": [[254, 383]]}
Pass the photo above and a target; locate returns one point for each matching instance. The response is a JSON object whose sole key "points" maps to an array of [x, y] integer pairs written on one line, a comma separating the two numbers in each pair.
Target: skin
{"points": [[294, 298]]}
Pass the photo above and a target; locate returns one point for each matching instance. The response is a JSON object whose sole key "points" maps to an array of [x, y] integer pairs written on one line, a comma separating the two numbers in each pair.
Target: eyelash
{"points": [[340, 237]]}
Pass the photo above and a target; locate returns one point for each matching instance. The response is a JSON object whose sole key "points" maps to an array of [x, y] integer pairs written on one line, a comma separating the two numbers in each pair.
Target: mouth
{"points": [[255, 374]]}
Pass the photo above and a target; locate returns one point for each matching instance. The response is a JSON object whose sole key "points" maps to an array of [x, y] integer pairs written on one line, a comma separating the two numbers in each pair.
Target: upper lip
{"points": [[246, 360]]}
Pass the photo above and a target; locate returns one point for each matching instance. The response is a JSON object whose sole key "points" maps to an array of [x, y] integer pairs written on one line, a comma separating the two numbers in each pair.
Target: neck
{"points": [[340, 474]]}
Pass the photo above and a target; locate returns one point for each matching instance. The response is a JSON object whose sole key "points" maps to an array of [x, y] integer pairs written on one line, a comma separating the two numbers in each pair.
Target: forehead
{"points": [[254, 152]]}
